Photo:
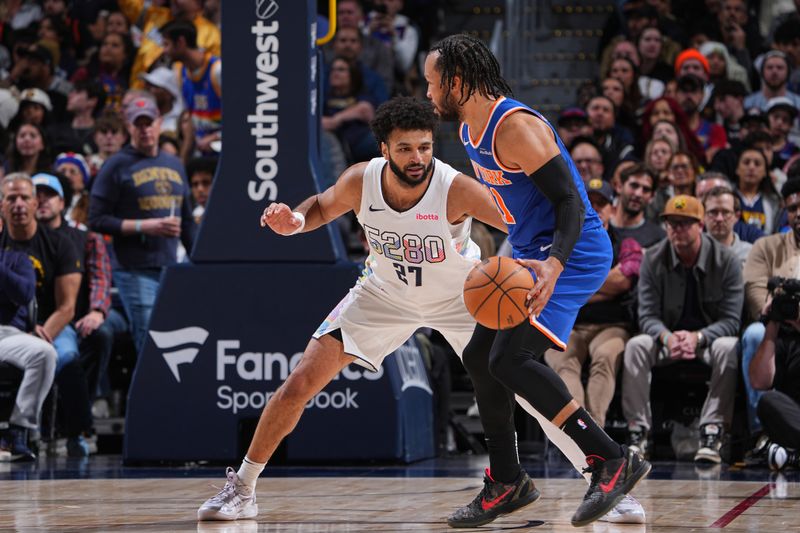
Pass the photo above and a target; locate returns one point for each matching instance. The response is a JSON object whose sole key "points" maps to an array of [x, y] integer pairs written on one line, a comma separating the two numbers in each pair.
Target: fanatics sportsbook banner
{"points": [[207, 372], [270, 80]]}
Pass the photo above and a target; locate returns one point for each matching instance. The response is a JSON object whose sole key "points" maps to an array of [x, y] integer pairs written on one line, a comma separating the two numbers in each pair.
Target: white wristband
{"points": [[302, 219]]}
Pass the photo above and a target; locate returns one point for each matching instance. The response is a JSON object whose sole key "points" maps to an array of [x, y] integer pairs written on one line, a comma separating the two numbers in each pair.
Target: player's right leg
{"points": [[322, 360], [507, 487]]}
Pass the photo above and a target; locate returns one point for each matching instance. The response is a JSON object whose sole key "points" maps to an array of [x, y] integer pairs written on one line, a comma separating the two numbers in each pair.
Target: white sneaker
{"points": [[235, 500], [627, 511]]}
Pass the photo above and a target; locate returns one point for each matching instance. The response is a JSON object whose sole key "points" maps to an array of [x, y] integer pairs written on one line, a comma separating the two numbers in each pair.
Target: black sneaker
{"points": [[710, 444], [494, 500], [779, 457], [611, 480]]}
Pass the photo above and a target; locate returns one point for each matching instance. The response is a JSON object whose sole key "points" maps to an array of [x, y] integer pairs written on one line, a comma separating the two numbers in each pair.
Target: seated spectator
{"points": [[35, 107], [573, 122], [615, 142], [690, 95], [85, 102], [775, 72], [34, 356], [781, 114], [587, 158], [28, 152], [111, 66], [721, 66], [728, 101], [347, 111], [624, 70], [635, 194], [602, 326], [682, 171], [760, 201], [81, 340], [110, 135], [691, 61], [74, 167], [690, 301], [657, 154], [774, 255], [164, 87], [201, 173], [669, 131], [709, 180], [722, 211], [775, 371], [614, 90], [738, 31], [651, 46], [200, 80]]}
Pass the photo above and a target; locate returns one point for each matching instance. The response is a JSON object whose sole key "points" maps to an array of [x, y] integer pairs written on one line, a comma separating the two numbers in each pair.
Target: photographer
{"points": [[777, 366], [774, 255]]}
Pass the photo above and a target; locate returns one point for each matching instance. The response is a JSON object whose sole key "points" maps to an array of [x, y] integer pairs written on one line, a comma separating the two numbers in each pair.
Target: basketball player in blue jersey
{"points": [[555, 233]]}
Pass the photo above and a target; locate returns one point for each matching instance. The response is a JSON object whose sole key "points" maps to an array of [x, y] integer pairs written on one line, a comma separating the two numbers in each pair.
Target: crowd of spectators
{"points": [[687, 142], [110, 129]]}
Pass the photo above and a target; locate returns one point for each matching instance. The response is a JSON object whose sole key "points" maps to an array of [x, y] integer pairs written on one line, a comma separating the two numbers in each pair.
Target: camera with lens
{"points": [[785, 299]]}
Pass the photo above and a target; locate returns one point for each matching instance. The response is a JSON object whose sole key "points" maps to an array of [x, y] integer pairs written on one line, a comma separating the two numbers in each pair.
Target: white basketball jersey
{"points": [[416, 255]]}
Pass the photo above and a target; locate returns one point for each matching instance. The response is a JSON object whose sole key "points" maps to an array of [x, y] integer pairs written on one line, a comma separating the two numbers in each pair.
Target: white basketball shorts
{"points": [[373, 324]]}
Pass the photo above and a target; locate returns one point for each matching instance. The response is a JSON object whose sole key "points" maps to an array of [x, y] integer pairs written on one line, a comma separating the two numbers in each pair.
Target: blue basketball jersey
{"points": [[530, 216], [531, 221]]}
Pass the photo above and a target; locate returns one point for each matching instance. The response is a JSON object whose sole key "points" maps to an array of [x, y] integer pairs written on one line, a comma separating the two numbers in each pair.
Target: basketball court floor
{"points": [[99, 494]]}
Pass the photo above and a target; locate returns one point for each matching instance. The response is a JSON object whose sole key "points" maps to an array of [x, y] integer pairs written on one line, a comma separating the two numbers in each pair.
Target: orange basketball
{"points": [[495, 292]]}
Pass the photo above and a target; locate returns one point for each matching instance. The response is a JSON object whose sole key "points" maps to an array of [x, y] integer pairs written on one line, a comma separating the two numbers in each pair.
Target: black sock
{"points": [[503, 457], [590, 437]]}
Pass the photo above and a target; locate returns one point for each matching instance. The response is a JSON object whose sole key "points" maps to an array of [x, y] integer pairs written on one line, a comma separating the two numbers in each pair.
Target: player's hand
{"points": [[89, 323], [547, 273], [280, 219]]}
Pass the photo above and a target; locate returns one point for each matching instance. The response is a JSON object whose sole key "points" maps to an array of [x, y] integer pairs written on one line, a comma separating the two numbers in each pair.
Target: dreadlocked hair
{"points": [[469, 58], [403, 113]]}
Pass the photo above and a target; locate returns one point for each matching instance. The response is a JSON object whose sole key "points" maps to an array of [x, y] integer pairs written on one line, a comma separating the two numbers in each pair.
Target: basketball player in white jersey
{"points": [[409, 282]]}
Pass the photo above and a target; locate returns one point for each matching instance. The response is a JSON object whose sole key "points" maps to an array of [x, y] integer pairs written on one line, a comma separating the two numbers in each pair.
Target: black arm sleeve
{"points": [[555, 181]]}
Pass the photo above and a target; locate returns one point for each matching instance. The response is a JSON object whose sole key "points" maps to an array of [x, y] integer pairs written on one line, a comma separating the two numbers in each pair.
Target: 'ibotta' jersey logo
{"points": [[265, 9], [166, 340]]}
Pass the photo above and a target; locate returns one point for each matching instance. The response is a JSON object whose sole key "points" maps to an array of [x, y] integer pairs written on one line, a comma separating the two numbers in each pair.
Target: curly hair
{"points": [[403, 113], [470, 59]]}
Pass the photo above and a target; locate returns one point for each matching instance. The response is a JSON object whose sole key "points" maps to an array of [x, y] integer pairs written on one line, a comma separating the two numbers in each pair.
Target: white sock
{"points": [[249, 472]]}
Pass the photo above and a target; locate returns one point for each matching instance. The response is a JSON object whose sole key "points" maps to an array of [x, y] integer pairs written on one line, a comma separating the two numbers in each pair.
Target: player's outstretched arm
{"points": [[468, 198], [317, 210]]}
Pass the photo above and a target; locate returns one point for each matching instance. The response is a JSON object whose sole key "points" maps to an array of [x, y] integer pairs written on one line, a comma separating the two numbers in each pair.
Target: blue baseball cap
{"points": [[48, 180]]}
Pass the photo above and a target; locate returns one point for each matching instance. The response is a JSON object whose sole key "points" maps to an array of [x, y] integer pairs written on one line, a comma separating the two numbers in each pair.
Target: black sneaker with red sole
{"points": [[494, 500], [611, 480]]}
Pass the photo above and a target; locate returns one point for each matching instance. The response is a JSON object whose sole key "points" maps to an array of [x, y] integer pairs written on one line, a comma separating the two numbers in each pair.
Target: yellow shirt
{"points": [[208, 35]]}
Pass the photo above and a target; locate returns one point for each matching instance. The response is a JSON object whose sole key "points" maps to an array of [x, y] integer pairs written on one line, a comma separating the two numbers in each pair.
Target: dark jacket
{"points": [[662, 288]]}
